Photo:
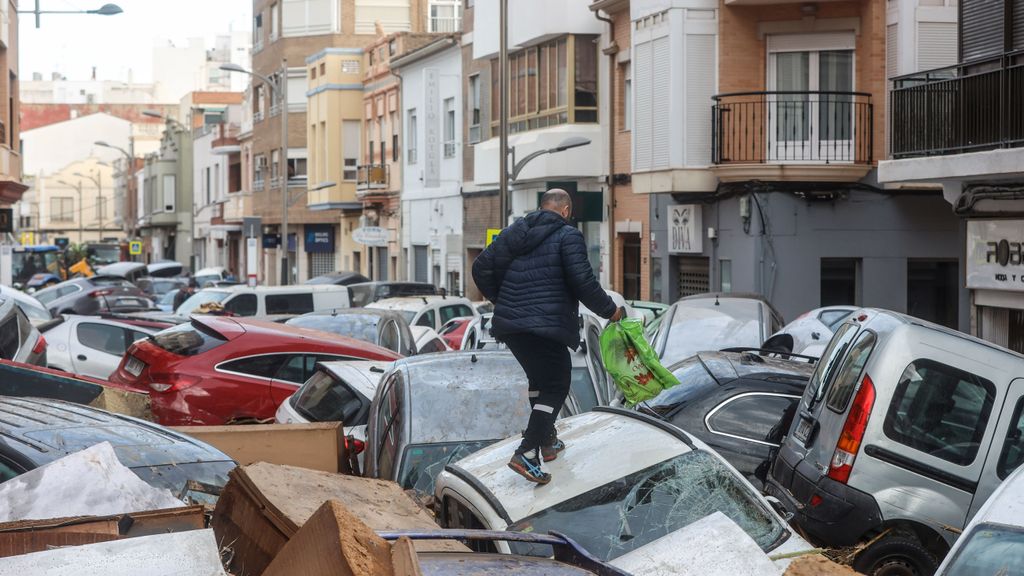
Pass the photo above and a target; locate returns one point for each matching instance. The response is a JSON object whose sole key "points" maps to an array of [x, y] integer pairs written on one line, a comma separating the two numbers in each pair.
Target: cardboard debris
{"points": [[192, 553], [18, 379], [264, 505], [333, 542], [127, 402], [817, 565], [317, 446], [711, 546], [91, 482]]}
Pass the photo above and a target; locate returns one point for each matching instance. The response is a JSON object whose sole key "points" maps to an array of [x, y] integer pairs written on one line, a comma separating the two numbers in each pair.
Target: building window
{"points": [[350, 133], [410, 137], [259, 171], [371, 57], [449, 127], [627, 97], [394, 137], [275, 165], [474, 109], [840, 282], [323, 68], [207, 187], [725, 273], [257, 32], [392, 47], [539, 84], [312, 73], [62, 209], [350, 66], [170, 191], [309, 17], [275, 24], [445, 16], [297, 168]]}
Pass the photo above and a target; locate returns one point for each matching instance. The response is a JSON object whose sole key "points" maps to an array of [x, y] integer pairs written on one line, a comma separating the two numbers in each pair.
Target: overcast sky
{"points": [[72, 44]]}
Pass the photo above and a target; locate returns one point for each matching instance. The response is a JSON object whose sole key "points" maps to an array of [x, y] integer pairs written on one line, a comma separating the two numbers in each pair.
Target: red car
{"points": [[217, 370], [453, 331]]}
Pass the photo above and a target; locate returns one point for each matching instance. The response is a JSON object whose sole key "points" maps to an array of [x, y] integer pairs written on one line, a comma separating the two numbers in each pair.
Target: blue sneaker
{"points": [[551, 451], [529, 468]]}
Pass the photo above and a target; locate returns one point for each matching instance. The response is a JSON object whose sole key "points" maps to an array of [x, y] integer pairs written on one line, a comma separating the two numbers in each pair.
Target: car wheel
{"points": [[896, 556]]}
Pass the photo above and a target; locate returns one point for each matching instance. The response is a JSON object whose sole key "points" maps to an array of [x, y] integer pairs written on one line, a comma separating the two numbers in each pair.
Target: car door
{"points": [[607, 392], [244, 390], [427, 317], [97, 347], [1006, 452]]}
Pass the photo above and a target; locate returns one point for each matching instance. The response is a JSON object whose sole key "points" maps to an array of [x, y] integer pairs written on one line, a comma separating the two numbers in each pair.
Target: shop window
{"points": [[933, 291]]}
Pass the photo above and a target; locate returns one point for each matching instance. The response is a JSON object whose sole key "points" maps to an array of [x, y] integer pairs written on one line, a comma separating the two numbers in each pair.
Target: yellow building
{"points": [[333, 135]]}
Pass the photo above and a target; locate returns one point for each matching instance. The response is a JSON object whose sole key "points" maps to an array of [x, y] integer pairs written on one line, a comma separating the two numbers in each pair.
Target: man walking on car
{"points": [[536, 273]]}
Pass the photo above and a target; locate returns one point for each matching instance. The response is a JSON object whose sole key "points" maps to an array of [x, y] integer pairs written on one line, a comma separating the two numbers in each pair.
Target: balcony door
{"points": [[810, 104]]}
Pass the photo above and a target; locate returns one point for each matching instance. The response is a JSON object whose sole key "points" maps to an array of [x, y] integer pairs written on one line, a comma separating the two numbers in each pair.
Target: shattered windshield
{"points": [[423, 462], [174, 477], [990, 550], [638, 509]]}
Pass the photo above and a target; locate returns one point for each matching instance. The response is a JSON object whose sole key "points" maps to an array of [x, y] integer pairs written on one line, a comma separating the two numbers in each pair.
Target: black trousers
{"points": [[548, 368]]}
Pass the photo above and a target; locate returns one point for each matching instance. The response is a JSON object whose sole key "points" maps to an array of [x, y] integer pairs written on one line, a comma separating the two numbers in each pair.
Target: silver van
{"points": [[903, 432]]}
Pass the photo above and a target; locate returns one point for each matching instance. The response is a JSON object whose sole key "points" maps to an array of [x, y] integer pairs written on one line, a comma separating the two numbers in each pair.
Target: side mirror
{"points": [[779, 508]]}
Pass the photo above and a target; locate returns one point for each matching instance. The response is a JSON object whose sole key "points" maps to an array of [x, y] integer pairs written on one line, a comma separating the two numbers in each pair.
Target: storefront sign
{"points": [[432, 128], [319, 238], [684, 229], [271, 240], [371, 236], [995, 254]]}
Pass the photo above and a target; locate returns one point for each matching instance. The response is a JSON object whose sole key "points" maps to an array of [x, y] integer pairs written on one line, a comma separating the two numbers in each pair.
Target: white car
{"points": [[427, 340], [210, 275], [624, 482], [337, 392], [263, 301], [993, 542], [91, 345], [34, 309], [812, 331], [430, 311]]}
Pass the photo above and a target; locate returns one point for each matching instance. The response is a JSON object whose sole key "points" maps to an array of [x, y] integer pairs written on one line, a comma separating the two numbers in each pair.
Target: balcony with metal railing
{"points": [[810, 135], [372, 179], [964, 108]]}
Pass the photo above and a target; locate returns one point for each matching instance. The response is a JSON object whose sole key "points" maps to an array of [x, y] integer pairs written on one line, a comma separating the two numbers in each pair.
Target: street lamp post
{"points": [[81, 220], [567, 144], [99, 198], [280, 90], [503, 199], [105, 10], [129, 156]]}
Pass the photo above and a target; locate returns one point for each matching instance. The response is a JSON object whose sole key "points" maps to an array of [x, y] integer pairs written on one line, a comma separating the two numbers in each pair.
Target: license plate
{"points": [[803, 429], [134, 366]]}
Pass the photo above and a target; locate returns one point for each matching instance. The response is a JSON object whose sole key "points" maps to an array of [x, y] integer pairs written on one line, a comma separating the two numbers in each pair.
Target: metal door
{"points": [[420, 263]]}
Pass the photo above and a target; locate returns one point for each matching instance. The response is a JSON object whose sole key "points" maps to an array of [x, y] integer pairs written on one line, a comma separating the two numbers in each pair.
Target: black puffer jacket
{"points": [[536, 273]]}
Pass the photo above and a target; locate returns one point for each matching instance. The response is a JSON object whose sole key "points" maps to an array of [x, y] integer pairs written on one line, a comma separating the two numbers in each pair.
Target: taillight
{"points": [[853, 432], [101, 293], [40, 345], [354, 445], [173, 382]]}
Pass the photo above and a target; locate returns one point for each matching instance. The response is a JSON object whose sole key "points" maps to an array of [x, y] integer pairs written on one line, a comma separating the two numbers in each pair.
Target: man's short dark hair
{"points": [[555, 199]]}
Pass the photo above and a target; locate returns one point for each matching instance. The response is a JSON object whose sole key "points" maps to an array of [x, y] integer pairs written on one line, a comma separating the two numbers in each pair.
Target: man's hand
{"points": [[620, 313]]}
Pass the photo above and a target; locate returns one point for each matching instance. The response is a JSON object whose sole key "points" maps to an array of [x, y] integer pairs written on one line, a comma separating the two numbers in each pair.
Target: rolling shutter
{"points": [[981, 25], [701, 67], [936, 45], [1017, 24], [660, 91], [642, 106], [892, 58]]}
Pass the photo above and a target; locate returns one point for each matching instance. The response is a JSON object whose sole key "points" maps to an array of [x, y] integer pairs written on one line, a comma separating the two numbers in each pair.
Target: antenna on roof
{"points": [[716, 300]]}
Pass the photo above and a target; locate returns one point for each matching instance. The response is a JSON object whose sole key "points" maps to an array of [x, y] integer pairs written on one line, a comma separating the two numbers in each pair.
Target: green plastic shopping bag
{"points": [[632, 363]]}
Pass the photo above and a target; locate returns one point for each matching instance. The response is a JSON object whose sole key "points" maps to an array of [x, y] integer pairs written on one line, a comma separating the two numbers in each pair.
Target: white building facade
{"points": [[432, 164]]}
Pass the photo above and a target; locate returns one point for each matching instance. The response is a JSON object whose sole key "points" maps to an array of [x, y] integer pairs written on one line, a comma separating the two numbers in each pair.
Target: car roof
{"points": [[381, 313], [876, 316], [141, 323], [363, 375], [164, 264], [415, 302], [274, 331], [726, 366], [119, 268], [296, 289], [490, 385], [586, 465], [43, 430]]}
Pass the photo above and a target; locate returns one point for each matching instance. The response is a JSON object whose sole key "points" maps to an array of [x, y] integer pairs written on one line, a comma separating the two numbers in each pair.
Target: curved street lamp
{"points": [[105, 10]]}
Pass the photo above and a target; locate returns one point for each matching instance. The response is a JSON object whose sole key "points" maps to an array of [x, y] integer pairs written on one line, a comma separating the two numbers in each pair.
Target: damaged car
{"points": [[624, 482]]}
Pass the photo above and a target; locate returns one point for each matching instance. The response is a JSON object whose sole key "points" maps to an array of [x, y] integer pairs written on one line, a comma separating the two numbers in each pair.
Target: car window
{"points": [[426, 319], [849, 375], [694, 381], [832, 318], [989, 549], [389, 428], [458, 311], [391, 337], [242, 305], [187, 339], [294, 369], [289, 303], [457, 515], [637, 509], [582, 387], [423, 462], [102, 337], [263, 366], [325, 398], [359, 326], [940, 410], [135, 336], [9, 470], [829, 361], [433, 345], [1012, 454], [10, 340], [754, 417]]}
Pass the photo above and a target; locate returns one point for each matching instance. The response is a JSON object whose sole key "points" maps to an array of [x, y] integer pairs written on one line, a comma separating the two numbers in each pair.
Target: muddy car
{"points": [[625, 481], [434, 409]]}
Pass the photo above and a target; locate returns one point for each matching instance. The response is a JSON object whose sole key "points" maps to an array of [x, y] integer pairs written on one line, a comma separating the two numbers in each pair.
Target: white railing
{"points": [[445, 24]]}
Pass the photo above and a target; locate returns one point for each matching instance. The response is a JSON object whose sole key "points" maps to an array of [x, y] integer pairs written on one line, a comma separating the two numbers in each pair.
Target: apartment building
{"points": [[555, 79], [431, 201], [74, 202], [166, 213], [290, 31], [379, 175], [218, 204], [962, 127], [11, 186]]}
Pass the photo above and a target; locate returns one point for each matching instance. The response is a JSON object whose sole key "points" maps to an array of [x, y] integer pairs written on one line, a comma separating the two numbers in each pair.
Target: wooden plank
{"points": [[404, 559], [315, 446]]}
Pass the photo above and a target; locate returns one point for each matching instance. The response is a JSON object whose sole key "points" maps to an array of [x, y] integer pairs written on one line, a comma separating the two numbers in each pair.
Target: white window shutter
{"points": [[293, 17], [936, 45], [642, 104], [892, 57], [661, 73], [701, 82]]}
